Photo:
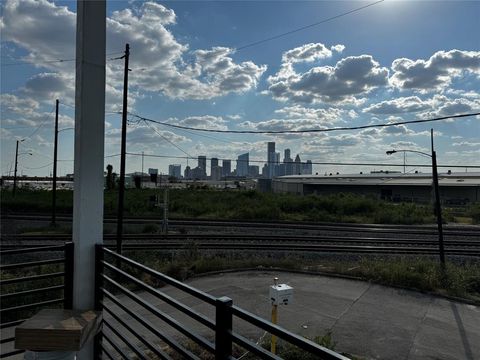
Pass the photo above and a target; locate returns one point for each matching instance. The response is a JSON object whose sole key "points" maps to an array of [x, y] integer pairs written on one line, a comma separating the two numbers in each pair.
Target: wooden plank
{"points": [[57, 330]]}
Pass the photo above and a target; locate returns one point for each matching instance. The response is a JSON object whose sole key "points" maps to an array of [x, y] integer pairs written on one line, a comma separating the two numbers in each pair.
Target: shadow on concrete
{"points": [[463, 333]]}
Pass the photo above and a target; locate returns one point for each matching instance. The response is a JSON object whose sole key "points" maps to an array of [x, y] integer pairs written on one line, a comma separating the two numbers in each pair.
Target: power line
{"points": [[178, 147], [41, 124], [54, 61], [308, 26], [313, 162], [345, 128]]}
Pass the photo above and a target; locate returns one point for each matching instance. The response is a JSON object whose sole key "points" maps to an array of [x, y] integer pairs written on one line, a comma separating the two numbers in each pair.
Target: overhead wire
{"points": [[178, 147], [344, 128], [313, 162], [55, 60], [307, 26]]}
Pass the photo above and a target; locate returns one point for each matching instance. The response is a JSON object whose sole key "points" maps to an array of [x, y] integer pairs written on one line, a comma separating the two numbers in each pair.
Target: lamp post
{"points": [[438, 208], [16, 164]]}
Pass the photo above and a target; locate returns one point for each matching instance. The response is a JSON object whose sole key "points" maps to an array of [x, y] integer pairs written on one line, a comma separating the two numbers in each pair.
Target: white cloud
{"points": [[351, 77], [307, 53], [435, 73], [202, 122], [398, 105]]}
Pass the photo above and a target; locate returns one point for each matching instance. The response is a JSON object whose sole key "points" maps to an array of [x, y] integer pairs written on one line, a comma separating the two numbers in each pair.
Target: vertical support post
{"points": [[87, 229], [223, 328], [273, 344], [438, 209], [121, 183], [68, 277], [438, 206], [99, 256], [15, 172], [54, 182]]}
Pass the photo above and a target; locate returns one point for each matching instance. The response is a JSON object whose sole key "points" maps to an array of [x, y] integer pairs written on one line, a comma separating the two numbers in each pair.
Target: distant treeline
{"points": [[242, 205]]}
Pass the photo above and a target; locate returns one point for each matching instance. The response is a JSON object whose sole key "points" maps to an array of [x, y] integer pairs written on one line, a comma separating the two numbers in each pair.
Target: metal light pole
{"points": [[438, 208]]}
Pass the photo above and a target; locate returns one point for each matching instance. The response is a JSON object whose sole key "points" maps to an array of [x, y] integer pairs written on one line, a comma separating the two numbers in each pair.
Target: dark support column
{"points": [[223, 328]]}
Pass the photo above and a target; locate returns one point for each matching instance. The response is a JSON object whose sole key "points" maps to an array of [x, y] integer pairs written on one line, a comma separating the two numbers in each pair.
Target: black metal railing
{"points": [[128, 304], [31, 279]]}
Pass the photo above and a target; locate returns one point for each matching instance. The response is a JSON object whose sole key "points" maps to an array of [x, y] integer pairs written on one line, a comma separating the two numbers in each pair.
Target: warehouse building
{"points": [[455, 188]]}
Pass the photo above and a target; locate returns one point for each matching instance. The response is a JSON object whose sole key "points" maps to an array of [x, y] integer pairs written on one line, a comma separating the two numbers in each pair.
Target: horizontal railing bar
{"points": [[253, 348], [168, 299], [148, 325], [31, 264], [29, 306], [11, 323], [34, 291], [7, 340], [32, 250], [165, 317], [290, 337], [169, 280], [11, 353], [124, 339], [157, 352], [32, 278], [116, 347], [105, 351]]}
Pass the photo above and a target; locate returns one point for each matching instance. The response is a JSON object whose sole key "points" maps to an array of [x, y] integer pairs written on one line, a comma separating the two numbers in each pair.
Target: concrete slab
{"points": [[369, 321]]}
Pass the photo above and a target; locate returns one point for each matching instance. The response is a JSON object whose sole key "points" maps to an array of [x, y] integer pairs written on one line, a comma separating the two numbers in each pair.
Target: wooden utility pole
{"points": [[54, 183], [121, 187], [15, 172]]}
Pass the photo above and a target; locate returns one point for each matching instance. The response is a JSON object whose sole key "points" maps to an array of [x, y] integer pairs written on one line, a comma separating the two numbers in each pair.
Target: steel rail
{"points": [[32, 278], [148, 325], [148, 344], [31, 264], [200, 340], [30, 292]]}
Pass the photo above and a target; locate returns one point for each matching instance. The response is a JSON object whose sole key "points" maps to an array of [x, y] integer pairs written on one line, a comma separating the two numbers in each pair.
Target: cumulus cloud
{"points": [[159, 62], [202, 122], [350, 77], [398, 105], [435, 73]]}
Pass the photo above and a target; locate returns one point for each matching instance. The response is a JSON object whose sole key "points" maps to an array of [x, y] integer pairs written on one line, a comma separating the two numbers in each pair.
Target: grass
{"points": [[459, 279], [243, 205]]}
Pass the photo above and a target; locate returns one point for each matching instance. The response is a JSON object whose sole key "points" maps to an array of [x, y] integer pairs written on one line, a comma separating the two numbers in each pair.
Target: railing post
{"points": [[223, 328], [68, 277], [97, 352]]}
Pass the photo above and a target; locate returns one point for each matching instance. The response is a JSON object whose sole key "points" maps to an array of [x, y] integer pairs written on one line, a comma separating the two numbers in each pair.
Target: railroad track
{"points": [[267, 242], [271, 247], [427, 230]]}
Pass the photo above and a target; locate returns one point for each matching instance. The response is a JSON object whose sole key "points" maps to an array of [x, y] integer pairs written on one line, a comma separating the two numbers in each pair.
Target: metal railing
{"points": [[30, 282], [128, 330]]}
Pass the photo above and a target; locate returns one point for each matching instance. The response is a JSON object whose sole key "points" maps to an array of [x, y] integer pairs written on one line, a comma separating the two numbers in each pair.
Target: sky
{"points": [[192, 65]]}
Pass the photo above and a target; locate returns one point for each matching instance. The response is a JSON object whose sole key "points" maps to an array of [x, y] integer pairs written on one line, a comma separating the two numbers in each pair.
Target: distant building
{"points": [[202, 164], [253, 171], [175, 170], [288, 161], [297, 166], [187, 173], [455, 188], [226, 167], [271, 159], [242, 164]]}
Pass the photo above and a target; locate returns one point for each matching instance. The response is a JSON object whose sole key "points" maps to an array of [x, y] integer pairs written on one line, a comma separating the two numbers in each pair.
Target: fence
{"points": [[119, 278], [31, 285]]}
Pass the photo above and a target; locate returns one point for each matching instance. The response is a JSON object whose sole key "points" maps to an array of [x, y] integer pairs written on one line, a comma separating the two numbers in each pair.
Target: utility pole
{"points": [[54, 184], [121, 188], [15, 172], [141, 178], [438, 208]]}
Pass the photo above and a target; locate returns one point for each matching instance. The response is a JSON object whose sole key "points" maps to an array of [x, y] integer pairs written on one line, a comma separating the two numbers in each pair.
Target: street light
{"points": [[16, 164], [438, 208]]}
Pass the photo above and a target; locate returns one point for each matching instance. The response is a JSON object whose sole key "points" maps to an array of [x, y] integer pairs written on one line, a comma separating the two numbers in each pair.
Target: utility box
{"points": [[281, 294]]}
